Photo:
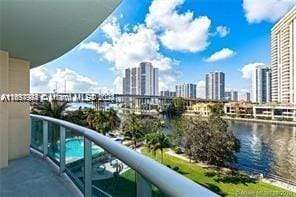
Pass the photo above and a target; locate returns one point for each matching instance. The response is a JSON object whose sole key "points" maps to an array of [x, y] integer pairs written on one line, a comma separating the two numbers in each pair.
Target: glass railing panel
{"points": [[37, 134], [74, 157], [54, 142], [156, 192], [110, 176]]}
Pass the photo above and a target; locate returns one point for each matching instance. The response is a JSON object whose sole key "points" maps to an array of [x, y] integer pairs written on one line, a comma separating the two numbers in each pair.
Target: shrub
{"points": [[178, 150]]}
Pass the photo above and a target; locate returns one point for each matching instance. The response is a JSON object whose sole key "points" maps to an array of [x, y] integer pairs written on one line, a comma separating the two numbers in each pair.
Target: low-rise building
{"points": [[239, 109], [275, 112], [202, 109]]}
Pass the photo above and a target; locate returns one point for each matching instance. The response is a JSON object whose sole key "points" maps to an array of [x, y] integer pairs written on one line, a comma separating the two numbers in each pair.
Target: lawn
{"points": [[224, 184], [122, 186]]}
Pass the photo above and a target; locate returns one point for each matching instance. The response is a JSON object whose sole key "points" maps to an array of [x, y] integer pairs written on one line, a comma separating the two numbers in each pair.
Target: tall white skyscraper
{"points": [[142, 80], [261, 84], [187, 90], [283, 59], [215, 85]]}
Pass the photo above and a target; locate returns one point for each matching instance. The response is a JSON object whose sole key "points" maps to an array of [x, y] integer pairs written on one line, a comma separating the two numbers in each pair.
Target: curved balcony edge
{"points": [[167, 180]]}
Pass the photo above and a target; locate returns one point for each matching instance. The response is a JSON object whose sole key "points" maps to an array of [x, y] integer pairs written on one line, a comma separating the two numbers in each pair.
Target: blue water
{"points": [[267, 148], [75, 148]]}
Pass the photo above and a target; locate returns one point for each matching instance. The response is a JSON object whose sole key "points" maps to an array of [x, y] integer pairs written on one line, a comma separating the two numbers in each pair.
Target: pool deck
{"points": [[34, 176]]}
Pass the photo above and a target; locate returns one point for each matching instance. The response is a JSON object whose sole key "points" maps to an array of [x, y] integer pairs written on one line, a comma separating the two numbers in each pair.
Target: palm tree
{"points": [[157, 141], [157, 125], [113, 118], [90, 117], [53, 109], [133, 129]]}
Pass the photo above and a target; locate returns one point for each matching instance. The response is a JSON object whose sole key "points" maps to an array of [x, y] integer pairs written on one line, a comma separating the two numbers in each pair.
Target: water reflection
{"points": [[268, 148]]}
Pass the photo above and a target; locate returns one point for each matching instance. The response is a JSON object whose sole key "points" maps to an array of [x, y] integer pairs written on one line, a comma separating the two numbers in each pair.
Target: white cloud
{"points": [[42, 81], [128, 49], [200, 89], [248, 69], [178, 31], [266, 10], [222, 31], [221, 55]]}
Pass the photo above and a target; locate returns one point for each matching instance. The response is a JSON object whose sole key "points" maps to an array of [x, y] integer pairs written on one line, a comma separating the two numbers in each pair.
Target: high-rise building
{"points": [[283, 59], [142, 80], [186, 90], [215, 85], [168, 93], [247, 96], [261, 84], [234, 95], [231, 95]]}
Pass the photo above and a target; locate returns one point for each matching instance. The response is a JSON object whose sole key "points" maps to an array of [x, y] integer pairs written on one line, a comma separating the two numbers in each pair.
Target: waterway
{"points": [[266, 147]]}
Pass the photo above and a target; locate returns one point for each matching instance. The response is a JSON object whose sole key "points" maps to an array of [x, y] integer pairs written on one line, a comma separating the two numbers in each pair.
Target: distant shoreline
{"points": [[275, 122]]}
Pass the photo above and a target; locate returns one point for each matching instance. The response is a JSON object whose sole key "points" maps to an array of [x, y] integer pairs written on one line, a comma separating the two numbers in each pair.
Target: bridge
{"points": [[110, 97]]}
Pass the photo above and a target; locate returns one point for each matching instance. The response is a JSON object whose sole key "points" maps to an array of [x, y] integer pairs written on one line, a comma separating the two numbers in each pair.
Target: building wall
{"points": [[283, 59], [4, 61], [215, 85], [261, 84], [14, 117], [186, 90]]}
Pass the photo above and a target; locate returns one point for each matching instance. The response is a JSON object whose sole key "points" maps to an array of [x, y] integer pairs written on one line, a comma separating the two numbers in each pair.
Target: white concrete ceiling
{"points": [[42, 30]]}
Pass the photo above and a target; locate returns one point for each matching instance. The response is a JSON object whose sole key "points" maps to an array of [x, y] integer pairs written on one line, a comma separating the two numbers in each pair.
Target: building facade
{"points": [[187, 90], [215, 85], [261, 84], [168, 93], [247, 96], [142, 80], [231, 95], [283, 59]]}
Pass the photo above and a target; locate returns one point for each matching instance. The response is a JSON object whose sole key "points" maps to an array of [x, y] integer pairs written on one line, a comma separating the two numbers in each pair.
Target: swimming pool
{"points": [[75, 149]]}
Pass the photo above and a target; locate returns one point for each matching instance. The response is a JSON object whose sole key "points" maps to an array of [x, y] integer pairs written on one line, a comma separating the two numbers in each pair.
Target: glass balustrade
{"points": [[110, 176], [54, 142], [97, 172], [37, 134]]}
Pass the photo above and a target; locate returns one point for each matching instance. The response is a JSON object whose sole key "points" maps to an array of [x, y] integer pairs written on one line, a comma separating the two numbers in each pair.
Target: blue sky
{"points": [[179, 36]]}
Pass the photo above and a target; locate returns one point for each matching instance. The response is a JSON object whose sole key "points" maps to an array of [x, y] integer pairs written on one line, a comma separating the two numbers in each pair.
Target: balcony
{"points": [[70, 160]]}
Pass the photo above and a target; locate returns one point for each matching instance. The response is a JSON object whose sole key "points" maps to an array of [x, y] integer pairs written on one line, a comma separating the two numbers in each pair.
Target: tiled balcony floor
{"points": [[35, 177]]}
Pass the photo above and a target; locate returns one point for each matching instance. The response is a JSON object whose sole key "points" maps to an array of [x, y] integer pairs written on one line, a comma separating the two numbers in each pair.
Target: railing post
{"points": [[45, 138], [62, 149], [87, 168], [144, 188]]}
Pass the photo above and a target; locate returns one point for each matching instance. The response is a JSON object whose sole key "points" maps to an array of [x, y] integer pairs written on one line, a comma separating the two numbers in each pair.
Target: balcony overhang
{"points": [[42, 30]]}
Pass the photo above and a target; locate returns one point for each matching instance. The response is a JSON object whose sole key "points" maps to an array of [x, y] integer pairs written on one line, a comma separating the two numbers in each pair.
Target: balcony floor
{"points": [[33, 176]]}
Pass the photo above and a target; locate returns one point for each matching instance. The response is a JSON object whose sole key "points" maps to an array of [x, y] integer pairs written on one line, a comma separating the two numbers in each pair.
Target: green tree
{"points": [[76, 117], [113, 118], [157, 141], [53, 109], [133, 129], [208, 140], [176, 108], [216, 109]]}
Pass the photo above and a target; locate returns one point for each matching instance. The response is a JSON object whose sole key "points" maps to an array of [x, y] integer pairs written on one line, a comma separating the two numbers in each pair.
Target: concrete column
{"points": [[14, 117], [18, 119], [4, 61]]}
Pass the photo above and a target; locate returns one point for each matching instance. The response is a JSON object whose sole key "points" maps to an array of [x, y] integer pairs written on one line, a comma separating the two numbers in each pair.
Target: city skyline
{"points": [[223, 47]]}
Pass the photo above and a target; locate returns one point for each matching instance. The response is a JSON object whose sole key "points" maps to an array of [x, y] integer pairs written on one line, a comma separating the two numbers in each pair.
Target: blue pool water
{"points": [[75, 149]]}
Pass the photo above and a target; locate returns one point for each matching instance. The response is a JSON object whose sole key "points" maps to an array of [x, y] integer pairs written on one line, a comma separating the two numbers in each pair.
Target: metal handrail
{"points": [[167, 180]]}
